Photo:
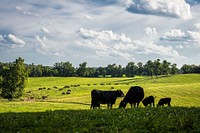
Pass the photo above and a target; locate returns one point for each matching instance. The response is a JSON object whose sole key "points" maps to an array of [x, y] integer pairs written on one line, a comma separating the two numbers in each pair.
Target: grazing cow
{"points": [[133, 96], [148, 100], [164, 101], [44, 97], [104, 97], [68, 92]]}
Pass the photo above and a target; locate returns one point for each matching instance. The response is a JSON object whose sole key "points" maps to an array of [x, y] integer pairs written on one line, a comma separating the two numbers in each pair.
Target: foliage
{"points": [[66, 69], [190, 69], [13, 79], [170, 119]]}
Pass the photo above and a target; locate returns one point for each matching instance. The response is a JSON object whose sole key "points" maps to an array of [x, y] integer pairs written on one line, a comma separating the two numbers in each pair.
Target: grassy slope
{"points": [[183, 89]]}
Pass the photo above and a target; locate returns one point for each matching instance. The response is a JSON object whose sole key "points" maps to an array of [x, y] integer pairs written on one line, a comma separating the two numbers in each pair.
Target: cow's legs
{"points": [[138, 104]]}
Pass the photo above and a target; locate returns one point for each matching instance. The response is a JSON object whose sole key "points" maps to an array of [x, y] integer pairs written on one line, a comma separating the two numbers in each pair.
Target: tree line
{"points": [[66, 69]]}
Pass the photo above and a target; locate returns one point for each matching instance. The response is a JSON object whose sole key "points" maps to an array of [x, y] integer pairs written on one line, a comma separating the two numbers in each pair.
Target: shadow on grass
{"points": [[80, 103]]}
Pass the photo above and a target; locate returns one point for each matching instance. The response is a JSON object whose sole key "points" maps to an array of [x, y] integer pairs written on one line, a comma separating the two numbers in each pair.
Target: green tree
{"points": [[165, 69], [82, 70], [13, 80], [131, 69], [140, 68], [149, 67], [157, 67], [174, 69]]}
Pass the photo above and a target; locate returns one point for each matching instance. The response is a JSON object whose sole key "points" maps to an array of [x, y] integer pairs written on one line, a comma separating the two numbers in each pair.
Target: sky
{"points": [[100, 32]]}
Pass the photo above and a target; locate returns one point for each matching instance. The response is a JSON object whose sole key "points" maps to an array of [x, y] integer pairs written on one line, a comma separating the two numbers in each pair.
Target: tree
{"points": [[157, 67], [174, 69], [186, 69], [140, 68], [149, 66], [13, 80], [82, 70], [131, 69], [165, 69]]}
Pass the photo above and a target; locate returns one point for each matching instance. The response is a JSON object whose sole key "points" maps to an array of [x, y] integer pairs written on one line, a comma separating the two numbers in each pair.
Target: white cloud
{"points": [[193, 36], [15, 39], [179, 36], [89, 17], [43, 29], [197, 26], [170, 8], [106, 35], [1, 38], [179, 47], [41, 40], [23, 11], [174, 35], [150, 31], [108, 43]]}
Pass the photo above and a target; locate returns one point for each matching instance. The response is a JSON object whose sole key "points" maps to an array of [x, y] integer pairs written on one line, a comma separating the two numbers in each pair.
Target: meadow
{"points": [[183, 89], [61, 112]]}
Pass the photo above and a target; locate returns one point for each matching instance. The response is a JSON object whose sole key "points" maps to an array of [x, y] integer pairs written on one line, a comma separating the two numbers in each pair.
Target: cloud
{"points": [[197, 26], [174, 35], [1, 38], [108, 43], [11, 41], [89, 17], [45, 30], [41, 40], [150, 31], [179, 36], [23, 11], [15, 39], [169, 8], [104, 35]]}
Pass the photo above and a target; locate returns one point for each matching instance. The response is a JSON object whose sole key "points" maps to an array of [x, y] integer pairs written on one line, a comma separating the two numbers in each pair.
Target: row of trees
{"points": [[66, 69]]}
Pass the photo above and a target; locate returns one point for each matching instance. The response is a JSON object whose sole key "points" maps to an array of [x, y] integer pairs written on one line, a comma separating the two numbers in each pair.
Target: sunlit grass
{"points": [[183, 89]]}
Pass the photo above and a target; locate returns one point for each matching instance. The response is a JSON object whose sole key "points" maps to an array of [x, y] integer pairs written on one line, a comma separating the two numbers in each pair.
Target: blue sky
{"points": [[100, 32]]}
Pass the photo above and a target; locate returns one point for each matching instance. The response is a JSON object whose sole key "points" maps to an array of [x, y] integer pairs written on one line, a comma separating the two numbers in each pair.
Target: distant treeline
{"points": [[66, 69]]}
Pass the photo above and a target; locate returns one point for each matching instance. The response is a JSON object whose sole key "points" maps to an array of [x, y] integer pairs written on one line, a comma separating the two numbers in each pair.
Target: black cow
{"points": [[133, 96], [164, 101], [104, 97], [148, 100]]}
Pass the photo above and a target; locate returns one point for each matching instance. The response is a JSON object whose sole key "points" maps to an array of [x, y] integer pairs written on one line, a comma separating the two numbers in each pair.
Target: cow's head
{"points": [[144, 103], [120, 93], [122, 104]]}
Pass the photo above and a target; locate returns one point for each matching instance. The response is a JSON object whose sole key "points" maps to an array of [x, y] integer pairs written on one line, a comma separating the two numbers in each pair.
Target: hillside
{"points": [[183, 89]]}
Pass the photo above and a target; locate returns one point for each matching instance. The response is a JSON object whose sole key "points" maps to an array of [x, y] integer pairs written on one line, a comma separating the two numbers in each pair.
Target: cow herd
{"points": [[134, 96]]}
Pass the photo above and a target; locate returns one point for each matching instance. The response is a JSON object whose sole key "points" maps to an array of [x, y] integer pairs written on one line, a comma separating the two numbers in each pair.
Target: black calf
{"points": [[164, 101], [148, 101]]}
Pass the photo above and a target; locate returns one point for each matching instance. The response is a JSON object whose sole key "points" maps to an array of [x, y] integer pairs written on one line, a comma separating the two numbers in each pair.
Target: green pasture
{"points": [[183, 89]]}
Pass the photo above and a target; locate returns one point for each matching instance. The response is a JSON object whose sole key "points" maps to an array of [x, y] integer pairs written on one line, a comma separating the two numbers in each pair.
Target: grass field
{"points": [[63, 113], [183, 89]]}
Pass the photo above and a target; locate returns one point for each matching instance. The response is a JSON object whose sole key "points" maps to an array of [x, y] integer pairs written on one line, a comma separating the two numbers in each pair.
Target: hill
{"points": [[183, 89]]}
